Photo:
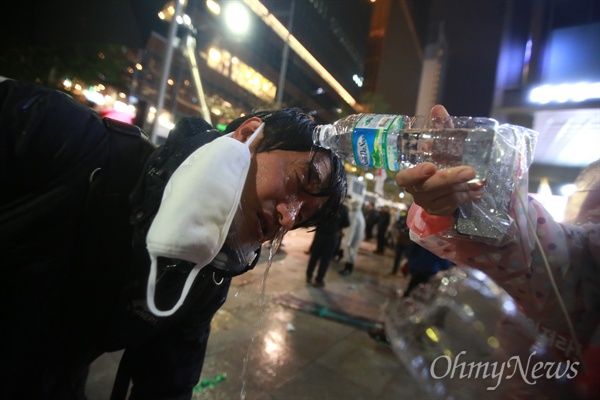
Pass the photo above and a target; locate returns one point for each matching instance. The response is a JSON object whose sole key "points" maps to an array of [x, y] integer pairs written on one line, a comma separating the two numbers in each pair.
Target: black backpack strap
{"points": [[122, 379]]}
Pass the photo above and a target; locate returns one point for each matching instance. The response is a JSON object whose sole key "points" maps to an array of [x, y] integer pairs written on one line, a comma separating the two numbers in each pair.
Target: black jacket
{"points": [[335, 225], [77, 197]]}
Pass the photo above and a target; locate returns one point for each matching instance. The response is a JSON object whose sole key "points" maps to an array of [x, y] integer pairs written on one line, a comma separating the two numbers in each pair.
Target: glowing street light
{"points": [[237, 18]]}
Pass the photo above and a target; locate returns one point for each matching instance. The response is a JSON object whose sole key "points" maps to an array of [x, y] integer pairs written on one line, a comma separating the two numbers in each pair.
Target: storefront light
{"points": [[563, 93], [568, 189], [214, 54], [213, 6], [94, 97]]}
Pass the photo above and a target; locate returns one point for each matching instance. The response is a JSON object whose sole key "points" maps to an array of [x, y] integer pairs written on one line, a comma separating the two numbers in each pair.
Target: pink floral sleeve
{"points": [[572, 251]]}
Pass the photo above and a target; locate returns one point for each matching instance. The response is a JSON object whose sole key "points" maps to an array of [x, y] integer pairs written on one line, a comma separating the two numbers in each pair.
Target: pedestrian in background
{"points": [[353, 236], [401, 241], [338, 252], [371, 215], [325, 241], [383, 223], [422, 265]]}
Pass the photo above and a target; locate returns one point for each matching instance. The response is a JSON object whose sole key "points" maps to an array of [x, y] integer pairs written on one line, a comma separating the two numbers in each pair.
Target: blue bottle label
{"points": [[374, 140]]}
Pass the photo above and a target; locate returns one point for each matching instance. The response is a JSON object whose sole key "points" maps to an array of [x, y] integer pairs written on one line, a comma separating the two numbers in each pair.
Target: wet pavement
{"points": [[278, 338]]}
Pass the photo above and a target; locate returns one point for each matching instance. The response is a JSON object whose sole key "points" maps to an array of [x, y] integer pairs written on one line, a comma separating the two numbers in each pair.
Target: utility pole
{"points": [[190, 46], [167, 67], [284, 57]]}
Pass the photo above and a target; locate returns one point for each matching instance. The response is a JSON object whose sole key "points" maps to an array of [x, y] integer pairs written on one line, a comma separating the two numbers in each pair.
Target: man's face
{"points": [[275, 193]]}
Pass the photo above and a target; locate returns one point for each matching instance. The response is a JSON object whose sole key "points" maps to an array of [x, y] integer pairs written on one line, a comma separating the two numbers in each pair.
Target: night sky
{"points": [[127, 22], [473, 29]]}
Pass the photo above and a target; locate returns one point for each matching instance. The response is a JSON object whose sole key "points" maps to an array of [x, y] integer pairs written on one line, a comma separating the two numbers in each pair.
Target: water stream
{"points": [[273, 250]]}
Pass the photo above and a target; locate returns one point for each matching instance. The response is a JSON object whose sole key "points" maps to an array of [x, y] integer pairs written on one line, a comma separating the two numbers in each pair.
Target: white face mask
{"points": [[197, 209]]}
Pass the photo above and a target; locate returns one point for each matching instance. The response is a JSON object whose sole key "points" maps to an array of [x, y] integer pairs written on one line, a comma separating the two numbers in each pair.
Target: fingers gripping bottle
{"points": [[397, 142]]}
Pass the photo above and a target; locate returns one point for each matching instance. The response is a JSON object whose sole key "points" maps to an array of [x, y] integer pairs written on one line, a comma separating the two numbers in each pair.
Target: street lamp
{"points": [[237, 18], [176, 17]]}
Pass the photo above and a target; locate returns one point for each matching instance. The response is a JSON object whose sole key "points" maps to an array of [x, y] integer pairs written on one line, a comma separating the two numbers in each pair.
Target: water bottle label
{"points": [[374, 140]]}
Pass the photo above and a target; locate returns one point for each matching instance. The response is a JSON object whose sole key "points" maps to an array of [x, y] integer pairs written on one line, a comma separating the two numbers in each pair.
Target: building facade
{"points": [[298, 53]]}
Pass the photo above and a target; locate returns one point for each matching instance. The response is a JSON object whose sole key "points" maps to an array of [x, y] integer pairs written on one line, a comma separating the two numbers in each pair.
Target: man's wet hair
{"points": [[291, 129]]}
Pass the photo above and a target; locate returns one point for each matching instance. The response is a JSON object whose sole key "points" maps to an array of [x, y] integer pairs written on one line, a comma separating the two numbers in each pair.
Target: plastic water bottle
{"points": [[396, 142], [461, 337]]}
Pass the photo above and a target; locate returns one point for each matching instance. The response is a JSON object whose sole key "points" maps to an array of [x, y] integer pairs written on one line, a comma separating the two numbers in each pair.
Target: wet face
{"points": [[277, 191]]}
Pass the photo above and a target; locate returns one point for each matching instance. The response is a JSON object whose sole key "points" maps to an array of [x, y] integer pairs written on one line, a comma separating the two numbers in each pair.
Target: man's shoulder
{"points": [[125, 129]]}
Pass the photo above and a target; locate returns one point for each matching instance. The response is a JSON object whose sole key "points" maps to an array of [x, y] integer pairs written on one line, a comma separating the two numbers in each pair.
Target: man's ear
{"points": [[246, 129]]}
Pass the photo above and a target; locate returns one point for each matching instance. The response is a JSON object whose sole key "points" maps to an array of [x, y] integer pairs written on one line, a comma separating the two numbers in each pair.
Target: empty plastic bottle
{"points": [[396, 142]]}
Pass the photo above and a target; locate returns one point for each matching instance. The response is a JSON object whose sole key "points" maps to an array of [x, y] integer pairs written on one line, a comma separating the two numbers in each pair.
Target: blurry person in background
{"points": [[340, 249], [383, 223], [371, 215], [422, 265], [353, 236], [101, 231], [325, 241], [401, 241], [569, 251]]}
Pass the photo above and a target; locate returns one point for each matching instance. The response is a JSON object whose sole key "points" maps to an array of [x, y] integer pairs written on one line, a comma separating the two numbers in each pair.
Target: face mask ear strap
{"points": [[151, 288], [255, 134]]}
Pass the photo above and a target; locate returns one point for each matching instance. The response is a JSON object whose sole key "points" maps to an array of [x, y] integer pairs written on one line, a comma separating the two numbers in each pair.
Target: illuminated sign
{"points": [[241, 73], [576, 92]]}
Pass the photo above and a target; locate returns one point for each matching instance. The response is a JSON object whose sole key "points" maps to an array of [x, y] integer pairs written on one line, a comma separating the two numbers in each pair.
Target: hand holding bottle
{"points": [[440, 192]]}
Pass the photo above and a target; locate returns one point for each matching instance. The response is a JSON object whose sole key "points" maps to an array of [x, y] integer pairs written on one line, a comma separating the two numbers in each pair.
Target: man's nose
{"points": [[288, 213]]}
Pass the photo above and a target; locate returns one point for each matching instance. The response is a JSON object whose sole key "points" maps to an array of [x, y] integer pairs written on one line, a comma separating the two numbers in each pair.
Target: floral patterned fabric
{"points": [[573, 254]]}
